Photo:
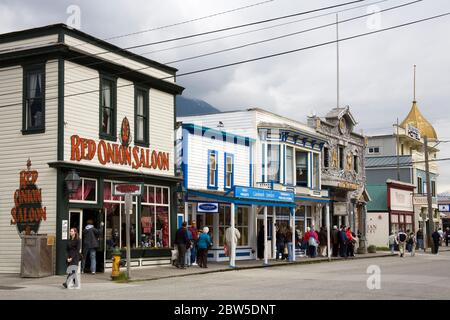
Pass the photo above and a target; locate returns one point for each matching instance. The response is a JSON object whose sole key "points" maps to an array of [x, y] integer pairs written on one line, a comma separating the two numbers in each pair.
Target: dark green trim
{"points": [[61, 91], [60, 29], [81, 205], [173, 213], [140, 89], [38, 66], [61, 50], [112, 174], [62, 213], [106, 136]]}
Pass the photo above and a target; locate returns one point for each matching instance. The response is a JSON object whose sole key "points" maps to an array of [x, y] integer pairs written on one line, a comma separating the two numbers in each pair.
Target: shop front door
{"points": [[96, 217]]}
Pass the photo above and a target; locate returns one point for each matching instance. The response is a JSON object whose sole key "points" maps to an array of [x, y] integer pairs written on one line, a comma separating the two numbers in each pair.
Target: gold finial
{"points": [[28, 164]]}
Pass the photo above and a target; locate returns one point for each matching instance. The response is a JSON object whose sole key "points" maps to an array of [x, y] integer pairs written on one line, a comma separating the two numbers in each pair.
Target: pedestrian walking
{"points": [[419, 238], [351, 241], [187, 257], [412, 243], [436, 238], [441, 234], [204, 242], [447, 236], [232, 235], [401, 238], [289, 244], [335, 241], [73, 258], [343, 240], [313, 242], [280, 240], [323, 240], [194, 231], [181, 241], [90, 244], [392, 241]]}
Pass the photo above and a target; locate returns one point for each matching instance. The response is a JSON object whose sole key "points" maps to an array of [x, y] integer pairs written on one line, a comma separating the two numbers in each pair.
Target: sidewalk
{"points": [[14, 281]]}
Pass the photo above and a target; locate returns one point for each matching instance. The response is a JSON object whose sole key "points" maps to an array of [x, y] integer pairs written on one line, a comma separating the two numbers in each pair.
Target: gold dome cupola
{"points": [[416, 119]]}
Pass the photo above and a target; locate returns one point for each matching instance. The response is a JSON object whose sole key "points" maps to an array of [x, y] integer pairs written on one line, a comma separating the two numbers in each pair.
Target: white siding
{"points": [[198, 147], [81, 115], [29, 43], [262, 116], [242, 123], [16, 149], [117, 58]]}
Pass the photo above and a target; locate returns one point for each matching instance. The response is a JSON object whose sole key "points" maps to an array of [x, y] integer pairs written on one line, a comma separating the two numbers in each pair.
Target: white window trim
{"points": [[82, 192]]}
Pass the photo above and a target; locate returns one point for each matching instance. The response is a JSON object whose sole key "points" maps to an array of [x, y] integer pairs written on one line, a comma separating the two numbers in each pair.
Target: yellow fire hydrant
{"points": [[116, 255]]}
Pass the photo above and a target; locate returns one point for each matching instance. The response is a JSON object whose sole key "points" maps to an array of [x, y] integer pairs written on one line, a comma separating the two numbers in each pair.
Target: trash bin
{"points": [[37, 257]]}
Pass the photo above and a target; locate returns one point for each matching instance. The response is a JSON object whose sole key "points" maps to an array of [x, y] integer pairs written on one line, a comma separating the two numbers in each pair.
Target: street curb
{"points": [[310, 261]]}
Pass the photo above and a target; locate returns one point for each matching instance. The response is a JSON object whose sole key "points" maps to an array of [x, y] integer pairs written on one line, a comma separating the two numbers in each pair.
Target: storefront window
{"points": [[289, 165], [242, 225], [154, 222], [402, 222], [316, 171], [224, 222], [86, 192]]}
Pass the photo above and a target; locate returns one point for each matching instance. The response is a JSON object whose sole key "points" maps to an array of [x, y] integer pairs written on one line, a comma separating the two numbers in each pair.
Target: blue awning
{"points": [[240, 201]]}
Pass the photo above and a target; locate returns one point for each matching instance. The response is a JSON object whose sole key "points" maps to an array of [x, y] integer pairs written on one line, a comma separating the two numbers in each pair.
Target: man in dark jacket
{"points": [[181, 241], [90, 244], [335, 241], [323, 241], [436, 238], [343, 242]]}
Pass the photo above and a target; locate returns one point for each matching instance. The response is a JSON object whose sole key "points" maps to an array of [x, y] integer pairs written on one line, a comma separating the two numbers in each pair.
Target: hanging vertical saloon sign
{"points": [[28, 212]]}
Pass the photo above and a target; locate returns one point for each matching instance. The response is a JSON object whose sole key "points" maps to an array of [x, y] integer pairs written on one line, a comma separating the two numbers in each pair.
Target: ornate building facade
{"points": [[343, 172]]}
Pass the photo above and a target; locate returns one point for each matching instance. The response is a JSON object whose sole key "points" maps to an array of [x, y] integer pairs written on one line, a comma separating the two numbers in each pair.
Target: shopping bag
{"points": [[226, 250], [174, 254]]}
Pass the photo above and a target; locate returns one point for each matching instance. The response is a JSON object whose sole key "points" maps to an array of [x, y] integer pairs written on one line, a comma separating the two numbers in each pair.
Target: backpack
{"points": [[402, 237]]}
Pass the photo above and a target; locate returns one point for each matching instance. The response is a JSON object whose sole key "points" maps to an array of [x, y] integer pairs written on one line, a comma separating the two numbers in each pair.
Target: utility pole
{"points": [[429, 200], [398, 152], [337, 61]]}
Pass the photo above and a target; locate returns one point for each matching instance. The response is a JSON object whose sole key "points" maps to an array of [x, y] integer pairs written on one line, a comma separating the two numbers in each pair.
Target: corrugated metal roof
{"points": [[388, 161], [378, 194]]}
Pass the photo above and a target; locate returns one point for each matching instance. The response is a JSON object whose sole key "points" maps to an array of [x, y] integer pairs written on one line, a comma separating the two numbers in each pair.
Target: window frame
{"points": [[355, 163], [102, 135], [216, 173], [341, 157], [419, 185], [40, 66], [82, 180], [226, 155], [326, 157], [145, 91]]}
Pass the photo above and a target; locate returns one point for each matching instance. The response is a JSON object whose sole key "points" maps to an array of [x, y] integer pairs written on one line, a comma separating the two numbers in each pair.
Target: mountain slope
{"points": [[193, 107]]}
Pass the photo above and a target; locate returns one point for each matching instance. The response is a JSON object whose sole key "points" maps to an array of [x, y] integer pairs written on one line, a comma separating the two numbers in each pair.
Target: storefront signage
{"points": [[263, 194], [208, 207], [107, 152], [340, 209], [422, 201], [444, 208], [28, 212], [413, 132], [401, 200], [121, 189], [347, 185]]}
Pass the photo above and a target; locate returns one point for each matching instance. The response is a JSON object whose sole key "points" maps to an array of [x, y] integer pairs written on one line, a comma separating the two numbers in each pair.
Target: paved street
{"points": [[422, 277]]}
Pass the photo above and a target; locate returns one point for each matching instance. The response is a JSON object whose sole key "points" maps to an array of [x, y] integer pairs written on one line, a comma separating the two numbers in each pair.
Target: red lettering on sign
{"points": [[102, 152], [135, 157], [91, 149], [75, 151], [127, 188]]}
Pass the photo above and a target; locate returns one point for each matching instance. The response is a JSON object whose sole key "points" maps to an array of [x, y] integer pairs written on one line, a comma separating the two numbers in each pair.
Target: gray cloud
{"points": [[376, 71]]}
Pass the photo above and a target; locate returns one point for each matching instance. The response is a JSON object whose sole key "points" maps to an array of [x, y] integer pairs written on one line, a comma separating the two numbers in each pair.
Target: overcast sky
{"points": [[376, 71]]}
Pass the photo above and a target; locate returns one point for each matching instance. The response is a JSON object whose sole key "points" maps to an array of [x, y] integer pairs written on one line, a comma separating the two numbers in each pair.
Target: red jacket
{"points": [[194, 232]]}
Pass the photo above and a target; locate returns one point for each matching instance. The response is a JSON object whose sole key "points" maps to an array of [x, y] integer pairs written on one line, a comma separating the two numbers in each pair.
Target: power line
{"points": [[265, 57], [188, 21], [288, 35], [260, 29], [194, 35]]}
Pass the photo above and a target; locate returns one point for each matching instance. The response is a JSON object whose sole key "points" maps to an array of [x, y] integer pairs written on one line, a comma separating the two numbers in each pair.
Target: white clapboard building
{"points": [[71, 106]]}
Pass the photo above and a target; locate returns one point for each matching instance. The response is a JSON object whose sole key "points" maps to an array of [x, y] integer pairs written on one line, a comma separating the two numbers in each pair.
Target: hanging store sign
{"points": [[263, 194], [444, 207], [208, 207], [122, 189], [28, 212]]}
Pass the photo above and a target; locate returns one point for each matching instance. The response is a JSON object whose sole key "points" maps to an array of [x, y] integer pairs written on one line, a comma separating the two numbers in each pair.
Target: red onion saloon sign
{"points": [[28, 212], [119, 154]]}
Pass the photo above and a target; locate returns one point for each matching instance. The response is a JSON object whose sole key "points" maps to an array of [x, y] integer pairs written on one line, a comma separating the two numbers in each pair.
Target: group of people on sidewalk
{"points": [[411, 242], [191, 246]]}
